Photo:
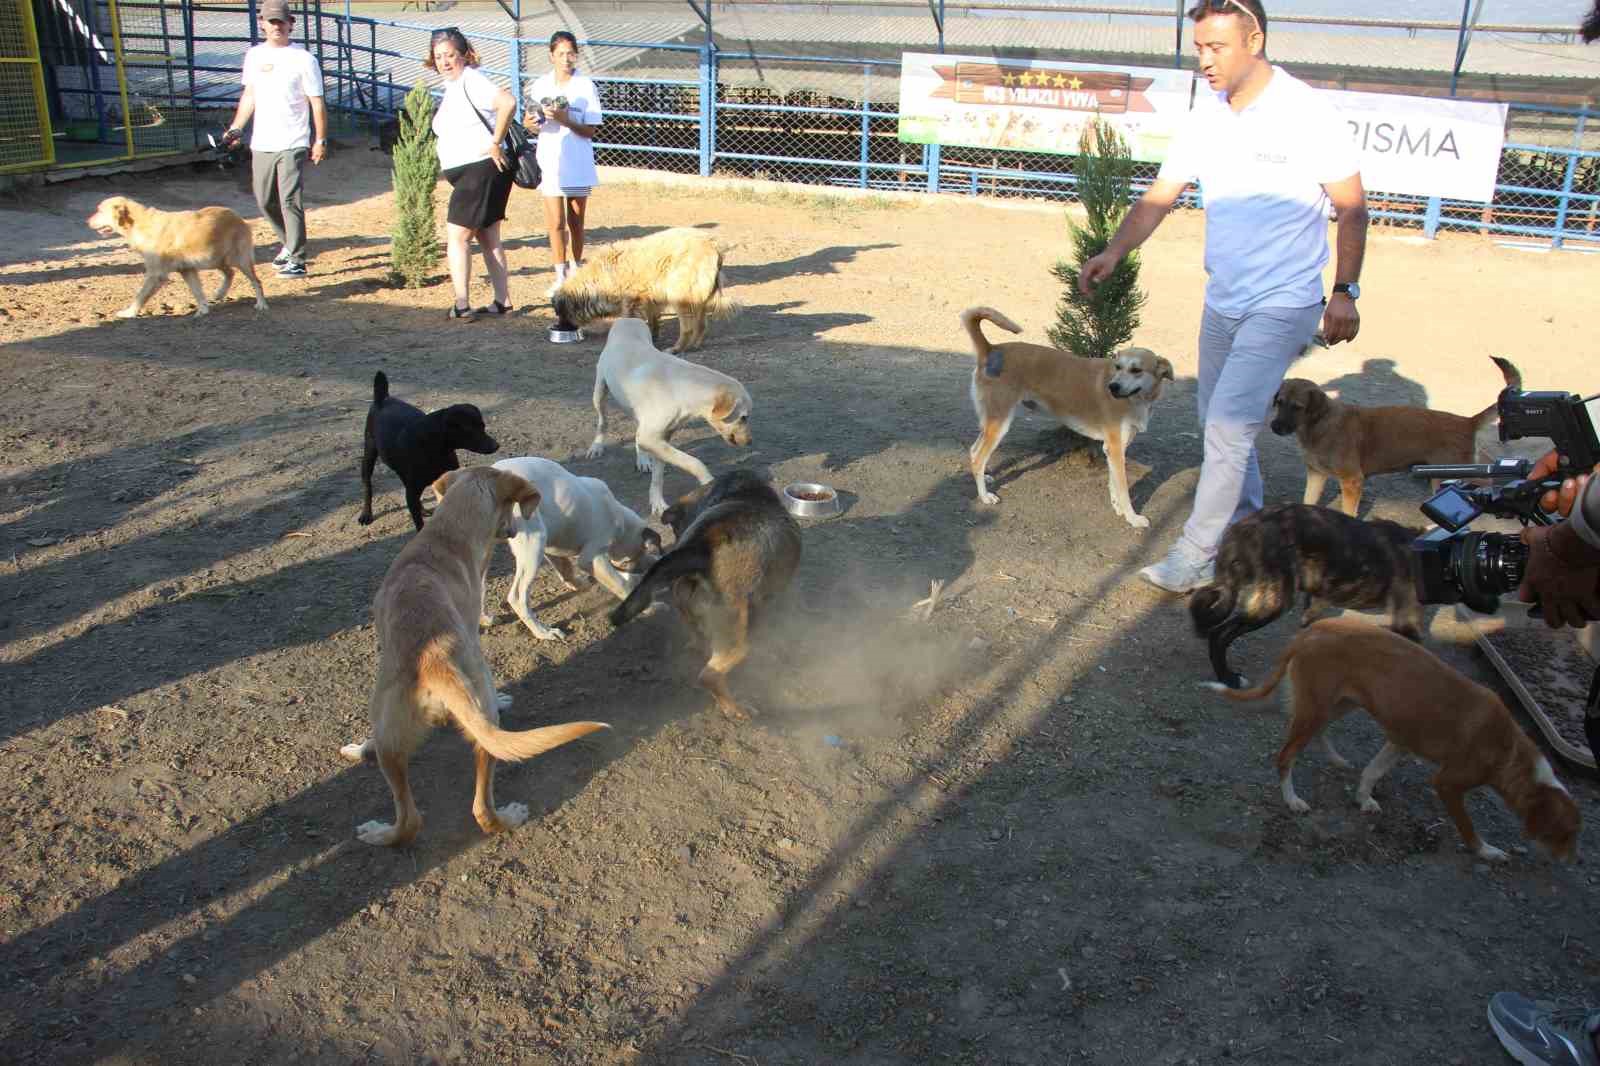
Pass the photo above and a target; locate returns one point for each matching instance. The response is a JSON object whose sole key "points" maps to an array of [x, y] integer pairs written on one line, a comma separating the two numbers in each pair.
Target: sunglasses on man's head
{"points": [[1231, 6]]}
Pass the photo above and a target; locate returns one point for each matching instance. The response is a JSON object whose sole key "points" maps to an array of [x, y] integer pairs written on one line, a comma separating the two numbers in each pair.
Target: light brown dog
{"points": [[185, 242], [1107, 400], [431, 669], [1424, 708], [677, 269], [1351, 443]]}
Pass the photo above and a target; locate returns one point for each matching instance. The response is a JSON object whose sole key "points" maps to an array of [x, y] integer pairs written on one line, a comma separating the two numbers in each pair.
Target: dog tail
{"points": [[438, 673], [691, 558], [1209, 607], [1485, 418], [380, 387], [1261, 691], [972, 316]]}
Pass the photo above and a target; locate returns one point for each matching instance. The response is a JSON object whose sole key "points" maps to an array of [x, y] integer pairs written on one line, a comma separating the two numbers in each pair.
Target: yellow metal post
{"points": [[122, 77], [30, 57]]}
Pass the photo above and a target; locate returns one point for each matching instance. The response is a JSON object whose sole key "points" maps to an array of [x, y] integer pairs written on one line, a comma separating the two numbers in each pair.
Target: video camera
{"points": [[1454, 564]]}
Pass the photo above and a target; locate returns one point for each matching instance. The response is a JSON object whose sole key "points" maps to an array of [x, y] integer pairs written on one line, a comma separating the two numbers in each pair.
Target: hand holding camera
{"points": [[1562, 573]]}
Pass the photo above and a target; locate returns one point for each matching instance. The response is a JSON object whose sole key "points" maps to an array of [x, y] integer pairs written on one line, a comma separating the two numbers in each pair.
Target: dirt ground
{"points": [[1015, 833]]}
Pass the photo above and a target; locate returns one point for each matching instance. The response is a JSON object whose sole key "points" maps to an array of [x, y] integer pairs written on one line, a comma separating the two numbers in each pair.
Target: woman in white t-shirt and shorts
{"points": [[472, 161], [566, 150]]}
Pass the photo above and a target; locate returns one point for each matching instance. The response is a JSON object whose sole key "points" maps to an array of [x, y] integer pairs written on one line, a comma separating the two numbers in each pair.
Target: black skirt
{"points": [[478, 194]]}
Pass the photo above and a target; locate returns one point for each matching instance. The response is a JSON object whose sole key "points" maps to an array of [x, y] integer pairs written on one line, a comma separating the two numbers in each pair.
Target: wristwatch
{"points": [[1349, 288], [324, 142]]}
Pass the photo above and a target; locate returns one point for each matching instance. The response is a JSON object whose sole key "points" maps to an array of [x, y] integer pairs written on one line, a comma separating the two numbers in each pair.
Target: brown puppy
{"points": [[1351, 443], [1424, 708], [1267, 558], [430, 668], [1106, 400], [186, 242], [677, 269], [738, 550]]}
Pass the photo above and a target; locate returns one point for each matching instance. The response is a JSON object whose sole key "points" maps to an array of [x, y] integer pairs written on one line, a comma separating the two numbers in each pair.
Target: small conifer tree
{"points": [[414, 248], [1096, 326]]}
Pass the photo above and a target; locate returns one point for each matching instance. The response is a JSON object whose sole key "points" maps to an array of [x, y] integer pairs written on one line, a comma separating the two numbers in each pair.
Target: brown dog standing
{"points": [[1351, 443], [1107, 400], [185, 242], [1424, 708], [431, 669]]}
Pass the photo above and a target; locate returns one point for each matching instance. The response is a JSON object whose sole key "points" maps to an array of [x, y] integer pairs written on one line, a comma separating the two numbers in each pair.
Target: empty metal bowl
{"points": [[810, 500]]}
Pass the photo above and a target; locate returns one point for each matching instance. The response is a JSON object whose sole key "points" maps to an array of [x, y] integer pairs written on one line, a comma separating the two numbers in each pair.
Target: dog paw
{"points": [[595, 451], [1137, 521], [356, 752], [642, 461], [502, 701], [1490, 853], [365, 518], [378, 834], [735, 712], [989, 498], [128, 312], [485, 620], [542, 631], [1298, 805], [1370, 806], [202, 309]]}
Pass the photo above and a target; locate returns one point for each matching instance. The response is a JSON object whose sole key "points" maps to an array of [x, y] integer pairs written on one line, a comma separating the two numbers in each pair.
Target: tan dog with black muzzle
{"points": [[1351, 443], [431, 669]]}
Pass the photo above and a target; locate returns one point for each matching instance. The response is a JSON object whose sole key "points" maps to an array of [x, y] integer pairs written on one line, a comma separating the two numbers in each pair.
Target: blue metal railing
{"points": [[842, 142]]}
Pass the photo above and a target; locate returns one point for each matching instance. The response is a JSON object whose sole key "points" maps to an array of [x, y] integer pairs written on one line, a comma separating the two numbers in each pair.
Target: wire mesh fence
{"points": [[678, 98]]}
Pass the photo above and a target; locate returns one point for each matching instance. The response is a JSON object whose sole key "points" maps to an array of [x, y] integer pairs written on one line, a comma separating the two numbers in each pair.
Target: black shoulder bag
{"points": [[518, 149]]}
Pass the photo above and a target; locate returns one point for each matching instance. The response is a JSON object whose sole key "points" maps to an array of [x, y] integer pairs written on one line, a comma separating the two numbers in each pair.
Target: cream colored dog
{"points": [[677, 269], [185, 242], [663, 392], [1107, 400], [431, 669]]}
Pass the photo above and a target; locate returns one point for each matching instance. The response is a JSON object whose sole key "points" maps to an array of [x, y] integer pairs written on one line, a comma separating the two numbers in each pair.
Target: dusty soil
{"points": [[1014, 833]]}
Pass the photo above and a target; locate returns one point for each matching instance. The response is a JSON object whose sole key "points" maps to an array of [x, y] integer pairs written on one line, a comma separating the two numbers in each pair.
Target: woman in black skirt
{"points": [[469, 126]]}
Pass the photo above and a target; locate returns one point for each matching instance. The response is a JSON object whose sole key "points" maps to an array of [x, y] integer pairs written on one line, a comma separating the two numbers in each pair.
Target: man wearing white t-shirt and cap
{"points": [[282, 89], [1270, 156]]}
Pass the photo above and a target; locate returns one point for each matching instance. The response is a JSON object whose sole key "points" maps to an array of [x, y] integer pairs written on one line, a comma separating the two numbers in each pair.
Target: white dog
{"points": [[577, 520], [663, 392]]}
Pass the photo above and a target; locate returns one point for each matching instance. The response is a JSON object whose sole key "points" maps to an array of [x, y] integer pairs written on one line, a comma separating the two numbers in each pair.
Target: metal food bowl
{"points": [[810, 500], [565, 333]]}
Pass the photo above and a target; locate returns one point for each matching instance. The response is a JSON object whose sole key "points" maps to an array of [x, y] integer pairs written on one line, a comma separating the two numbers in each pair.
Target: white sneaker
{"points": [[1180, 571]]}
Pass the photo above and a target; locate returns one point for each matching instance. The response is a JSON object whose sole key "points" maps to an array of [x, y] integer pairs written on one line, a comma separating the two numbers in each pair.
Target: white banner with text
{"points": [[1425, 146]]}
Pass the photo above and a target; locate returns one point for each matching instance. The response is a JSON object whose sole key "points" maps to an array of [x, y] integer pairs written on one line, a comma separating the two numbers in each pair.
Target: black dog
{"points": [[417, 447], [1333, 559], [737, 550]]}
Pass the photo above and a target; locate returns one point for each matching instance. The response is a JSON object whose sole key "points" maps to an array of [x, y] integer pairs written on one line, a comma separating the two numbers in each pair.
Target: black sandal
{"points": [[496, 308], [466, 314]]}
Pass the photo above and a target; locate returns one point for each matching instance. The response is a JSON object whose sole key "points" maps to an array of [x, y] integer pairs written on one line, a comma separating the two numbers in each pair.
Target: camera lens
{"points": [[1488, 565]]}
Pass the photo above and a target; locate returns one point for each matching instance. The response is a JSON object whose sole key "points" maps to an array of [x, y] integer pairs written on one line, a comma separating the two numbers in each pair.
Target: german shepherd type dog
{"points": [[738, 549], [1334, 560]]}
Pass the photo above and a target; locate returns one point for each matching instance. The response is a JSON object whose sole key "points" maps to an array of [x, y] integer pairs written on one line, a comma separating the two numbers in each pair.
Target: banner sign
{"points": [[1037, 106], [1425, 146], [1408, 144]]}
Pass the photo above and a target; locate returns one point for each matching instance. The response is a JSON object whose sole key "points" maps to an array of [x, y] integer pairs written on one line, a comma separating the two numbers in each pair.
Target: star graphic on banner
{"points": [[1008, 79], [1025, 78], [1075, 84], [1059, 80]]}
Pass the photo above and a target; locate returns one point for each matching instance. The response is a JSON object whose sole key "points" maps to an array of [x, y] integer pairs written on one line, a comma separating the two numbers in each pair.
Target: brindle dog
{"points": [[1334, 560], [737, 549]]}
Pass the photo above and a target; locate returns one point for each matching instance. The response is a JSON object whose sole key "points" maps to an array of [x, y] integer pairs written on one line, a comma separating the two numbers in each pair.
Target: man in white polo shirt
{"points": [[1270, 155], [282, 89]]}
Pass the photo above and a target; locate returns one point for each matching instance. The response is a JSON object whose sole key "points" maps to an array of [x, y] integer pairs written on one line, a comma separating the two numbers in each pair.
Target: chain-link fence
{"points": [[679, 97]]}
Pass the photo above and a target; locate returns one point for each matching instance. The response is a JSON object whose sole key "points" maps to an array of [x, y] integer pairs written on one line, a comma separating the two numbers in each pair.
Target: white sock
{"points": [[561, 273]]}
